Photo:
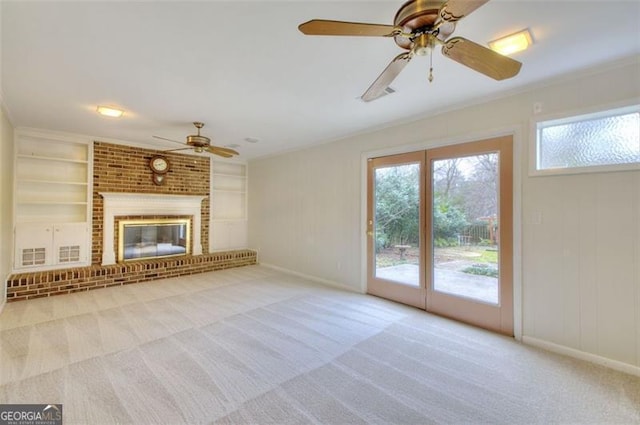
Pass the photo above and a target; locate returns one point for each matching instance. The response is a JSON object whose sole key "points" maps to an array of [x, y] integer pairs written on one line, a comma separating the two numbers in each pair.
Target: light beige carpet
{"points": [[255, 346]]}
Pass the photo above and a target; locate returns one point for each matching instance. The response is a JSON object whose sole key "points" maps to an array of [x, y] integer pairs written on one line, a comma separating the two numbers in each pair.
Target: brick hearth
{"points": [[24, 286]]}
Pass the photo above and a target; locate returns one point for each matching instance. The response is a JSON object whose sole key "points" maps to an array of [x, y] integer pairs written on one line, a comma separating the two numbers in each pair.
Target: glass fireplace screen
{"points": [[153, 238]]}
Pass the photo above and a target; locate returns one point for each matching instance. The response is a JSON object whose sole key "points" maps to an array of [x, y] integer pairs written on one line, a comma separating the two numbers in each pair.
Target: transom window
{"points": [[602, 141]]}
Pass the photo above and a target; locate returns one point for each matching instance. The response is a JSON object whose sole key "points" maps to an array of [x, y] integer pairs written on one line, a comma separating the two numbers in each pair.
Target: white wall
{"points": [[580, 278], [6, 201]]}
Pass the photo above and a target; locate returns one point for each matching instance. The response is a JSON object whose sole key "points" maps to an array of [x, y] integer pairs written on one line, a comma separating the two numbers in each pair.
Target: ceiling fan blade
{"points": [[325, 27], [179, 149], [223, 152], [169, 140], [481, 59], [388, 75], [454, 10]]}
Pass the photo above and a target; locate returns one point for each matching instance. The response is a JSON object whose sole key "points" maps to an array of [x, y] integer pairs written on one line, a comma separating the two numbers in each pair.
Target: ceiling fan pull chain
{"points": [[431, 66]]}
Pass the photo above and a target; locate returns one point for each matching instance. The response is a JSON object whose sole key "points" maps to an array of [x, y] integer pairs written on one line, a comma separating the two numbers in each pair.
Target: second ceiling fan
{"points": [[200, 143], [417, 27]]}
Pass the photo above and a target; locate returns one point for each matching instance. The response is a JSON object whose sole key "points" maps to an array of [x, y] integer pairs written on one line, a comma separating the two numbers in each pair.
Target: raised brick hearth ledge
{"points": [[24, 286]]}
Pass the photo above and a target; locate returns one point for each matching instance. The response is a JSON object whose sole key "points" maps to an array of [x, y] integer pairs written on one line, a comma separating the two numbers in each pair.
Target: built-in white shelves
{"points": [[228, 206], [52, 199], [52, 175], [229, 191]]}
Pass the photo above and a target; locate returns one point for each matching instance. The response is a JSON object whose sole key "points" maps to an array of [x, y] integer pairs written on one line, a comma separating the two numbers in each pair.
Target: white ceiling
{"points": [[245, 70]]}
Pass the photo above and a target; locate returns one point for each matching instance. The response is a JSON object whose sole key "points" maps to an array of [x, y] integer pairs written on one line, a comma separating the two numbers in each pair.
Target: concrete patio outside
{"points": [[482, 288]]}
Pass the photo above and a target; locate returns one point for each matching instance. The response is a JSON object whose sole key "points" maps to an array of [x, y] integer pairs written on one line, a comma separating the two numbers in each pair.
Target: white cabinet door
{"points": [[237, 234], [42, 246], [219, 236], [33, 245], [70, 243], [228, 235]]}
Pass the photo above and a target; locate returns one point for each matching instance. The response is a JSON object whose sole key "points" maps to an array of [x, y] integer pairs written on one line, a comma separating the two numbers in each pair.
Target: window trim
{"points": [[569, 117]]}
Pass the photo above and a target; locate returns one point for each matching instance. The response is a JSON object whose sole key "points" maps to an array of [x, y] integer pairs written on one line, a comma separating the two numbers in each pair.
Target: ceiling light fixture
{"points": [[424, 44], [251, 139], [110, 112], [512, 43]]}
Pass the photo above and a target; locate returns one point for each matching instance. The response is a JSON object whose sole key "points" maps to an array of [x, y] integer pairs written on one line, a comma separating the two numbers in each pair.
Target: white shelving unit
{"points": [[52, 200], [228, 206]]}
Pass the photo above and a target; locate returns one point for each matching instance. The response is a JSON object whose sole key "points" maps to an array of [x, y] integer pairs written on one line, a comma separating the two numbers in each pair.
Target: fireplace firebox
{"points": [[153, 238]]}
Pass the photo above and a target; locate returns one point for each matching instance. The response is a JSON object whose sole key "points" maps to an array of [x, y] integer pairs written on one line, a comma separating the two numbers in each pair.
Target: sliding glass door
{"points": [[440, 231]]}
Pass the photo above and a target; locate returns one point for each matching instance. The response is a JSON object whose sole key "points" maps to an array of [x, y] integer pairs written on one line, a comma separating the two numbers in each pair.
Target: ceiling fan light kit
{"points": [[424, 44], [417, 27]]}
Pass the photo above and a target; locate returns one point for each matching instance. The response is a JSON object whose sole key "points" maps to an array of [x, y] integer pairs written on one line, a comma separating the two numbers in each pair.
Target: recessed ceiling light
{"points": [[512, 43], [251, 139], [110, 112]]}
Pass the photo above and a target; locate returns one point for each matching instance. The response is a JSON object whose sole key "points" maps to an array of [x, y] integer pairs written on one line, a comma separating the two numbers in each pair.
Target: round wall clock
{"points": [[159, 164]]}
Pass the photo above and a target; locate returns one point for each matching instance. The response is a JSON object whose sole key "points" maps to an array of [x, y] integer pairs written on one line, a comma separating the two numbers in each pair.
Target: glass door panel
{"points": [[465, 227], [395, 233], [397, 223], [470, 248]]}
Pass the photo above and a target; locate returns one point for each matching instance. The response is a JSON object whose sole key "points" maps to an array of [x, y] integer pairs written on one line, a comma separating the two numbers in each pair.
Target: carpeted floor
{"points": [[255, 346]]}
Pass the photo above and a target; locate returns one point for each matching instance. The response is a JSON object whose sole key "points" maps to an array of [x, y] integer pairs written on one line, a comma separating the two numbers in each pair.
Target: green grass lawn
{"points": [[471, 254], [487, 256]]}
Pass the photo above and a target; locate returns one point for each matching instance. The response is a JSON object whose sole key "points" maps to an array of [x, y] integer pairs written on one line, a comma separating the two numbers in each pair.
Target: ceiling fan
{"points": [[201, 143], [417, 27]]}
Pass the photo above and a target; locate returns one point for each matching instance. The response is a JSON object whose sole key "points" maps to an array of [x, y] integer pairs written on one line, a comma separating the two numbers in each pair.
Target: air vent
{"points": [[389, 90], [69, 254], [33, 256]]}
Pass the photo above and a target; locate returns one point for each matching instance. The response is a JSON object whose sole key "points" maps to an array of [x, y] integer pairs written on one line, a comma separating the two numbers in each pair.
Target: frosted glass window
{"points": [[604, 139]]}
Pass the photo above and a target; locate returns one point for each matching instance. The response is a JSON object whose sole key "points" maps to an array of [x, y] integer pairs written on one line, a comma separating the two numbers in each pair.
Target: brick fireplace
{"points": [[125, 170], [147, 205], [121, 173]]}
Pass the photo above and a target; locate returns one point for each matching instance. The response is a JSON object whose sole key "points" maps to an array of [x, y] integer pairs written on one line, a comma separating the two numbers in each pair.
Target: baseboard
{"points": [[582, 355], [312, 278]]}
